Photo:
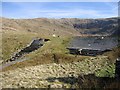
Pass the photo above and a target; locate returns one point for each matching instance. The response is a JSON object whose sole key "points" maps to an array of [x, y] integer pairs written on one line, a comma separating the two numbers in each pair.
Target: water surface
{"points": [[94, 42]]}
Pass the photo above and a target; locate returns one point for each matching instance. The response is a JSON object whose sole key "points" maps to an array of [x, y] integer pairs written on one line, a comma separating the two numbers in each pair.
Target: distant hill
{"points": [[63, 26], [117, 32]]}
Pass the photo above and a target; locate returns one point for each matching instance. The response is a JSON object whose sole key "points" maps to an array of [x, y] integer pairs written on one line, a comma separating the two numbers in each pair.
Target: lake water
{"points": [[94, 42]]}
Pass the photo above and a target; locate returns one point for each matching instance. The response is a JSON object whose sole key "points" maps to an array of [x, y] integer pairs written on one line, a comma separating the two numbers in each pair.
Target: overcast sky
{"points": [[60, 9]]}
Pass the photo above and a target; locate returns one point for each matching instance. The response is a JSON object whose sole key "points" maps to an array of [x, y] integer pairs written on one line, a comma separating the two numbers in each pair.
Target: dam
{"points": [[92, 45]]}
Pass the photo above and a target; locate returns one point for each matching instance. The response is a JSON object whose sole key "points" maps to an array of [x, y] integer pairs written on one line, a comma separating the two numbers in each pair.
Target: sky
{"points": [[59, 0], [59, 9]]}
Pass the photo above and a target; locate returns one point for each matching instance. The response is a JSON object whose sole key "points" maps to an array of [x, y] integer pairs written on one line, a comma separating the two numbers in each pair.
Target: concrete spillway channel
{"points": [[34, 45]]}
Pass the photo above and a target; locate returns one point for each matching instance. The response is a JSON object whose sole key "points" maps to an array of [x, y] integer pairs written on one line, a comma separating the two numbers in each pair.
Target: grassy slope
{"points": [[52, 52], [14, 41], [17, 35]]}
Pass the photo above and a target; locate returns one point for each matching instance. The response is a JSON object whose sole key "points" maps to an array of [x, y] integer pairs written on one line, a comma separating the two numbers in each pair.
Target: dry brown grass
{"points": [[113, 55], [46, 59]]}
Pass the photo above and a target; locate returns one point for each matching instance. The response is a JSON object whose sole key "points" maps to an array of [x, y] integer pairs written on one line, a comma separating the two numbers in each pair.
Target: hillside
{"points": [[52, 75], [52, 66], [63, 26], [14, 30]]}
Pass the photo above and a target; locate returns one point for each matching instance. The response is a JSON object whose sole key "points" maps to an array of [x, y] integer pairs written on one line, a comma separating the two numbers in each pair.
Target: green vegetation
{"points": [[14, 41], [108, 71], [52, 61]]}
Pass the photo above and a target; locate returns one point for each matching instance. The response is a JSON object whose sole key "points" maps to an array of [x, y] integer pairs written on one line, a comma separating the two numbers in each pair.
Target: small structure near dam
{"points": [[92, 46]]}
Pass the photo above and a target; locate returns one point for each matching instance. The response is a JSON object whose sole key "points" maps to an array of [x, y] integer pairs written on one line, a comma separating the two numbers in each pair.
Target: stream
{"points": [[34, 45]]}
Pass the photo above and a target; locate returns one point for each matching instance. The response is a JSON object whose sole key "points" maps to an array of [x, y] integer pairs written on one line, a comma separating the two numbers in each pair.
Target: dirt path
{"points": [[2, 66]]}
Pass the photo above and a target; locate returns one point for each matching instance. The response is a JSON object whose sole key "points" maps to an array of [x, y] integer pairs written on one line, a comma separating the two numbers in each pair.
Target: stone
{"points": [[56, 86]]}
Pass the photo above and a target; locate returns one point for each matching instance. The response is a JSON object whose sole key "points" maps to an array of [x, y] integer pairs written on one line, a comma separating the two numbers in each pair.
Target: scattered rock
{"points": [[56, 86], [64, 75]]}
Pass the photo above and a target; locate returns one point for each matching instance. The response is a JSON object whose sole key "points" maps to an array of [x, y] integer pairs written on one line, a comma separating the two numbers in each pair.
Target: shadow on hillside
{"points": [[92, 81], [89, 81], [68, 80]]}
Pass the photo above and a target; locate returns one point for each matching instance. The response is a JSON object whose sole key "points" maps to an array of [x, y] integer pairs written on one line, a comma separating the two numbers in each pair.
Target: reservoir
{"points": [[94, 42]]}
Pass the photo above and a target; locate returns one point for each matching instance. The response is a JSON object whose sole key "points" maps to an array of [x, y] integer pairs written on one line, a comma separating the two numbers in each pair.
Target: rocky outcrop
{"points": [[97, 26]]}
